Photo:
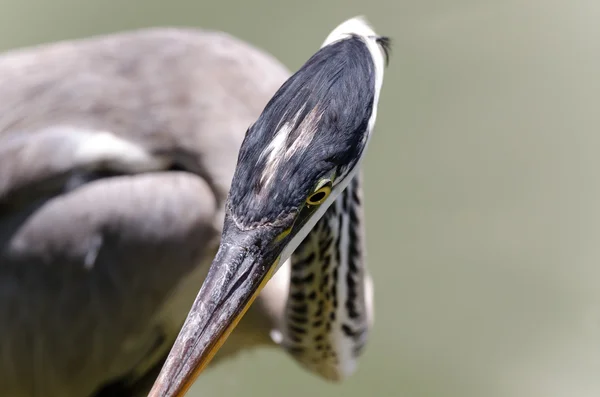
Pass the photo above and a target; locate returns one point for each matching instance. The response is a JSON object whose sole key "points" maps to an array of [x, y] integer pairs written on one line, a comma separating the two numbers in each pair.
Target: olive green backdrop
{"points": [[482, 186]]}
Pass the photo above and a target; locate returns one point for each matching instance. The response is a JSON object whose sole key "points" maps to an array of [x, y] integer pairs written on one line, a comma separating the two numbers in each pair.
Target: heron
{"points": [[139, 167]]}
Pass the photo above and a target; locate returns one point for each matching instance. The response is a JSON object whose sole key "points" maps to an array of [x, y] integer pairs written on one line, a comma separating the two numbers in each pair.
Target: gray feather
{"points": [[96, 234]]}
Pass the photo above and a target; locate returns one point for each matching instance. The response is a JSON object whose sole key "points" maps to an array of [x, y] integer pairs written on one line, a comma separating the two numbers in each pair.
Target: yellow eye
{"points": [[319, 196]]}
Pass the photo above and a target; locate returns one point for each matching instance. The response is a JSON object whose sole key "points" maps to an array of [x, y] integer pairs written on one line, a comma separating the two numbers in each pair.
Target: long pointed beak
{"points": [[236, 276]]}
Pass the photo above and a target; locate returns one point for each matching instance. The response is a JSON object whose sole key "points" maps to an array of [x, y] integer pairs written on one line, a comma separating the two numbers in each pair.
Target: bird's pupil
{"points": [[317, 196]]}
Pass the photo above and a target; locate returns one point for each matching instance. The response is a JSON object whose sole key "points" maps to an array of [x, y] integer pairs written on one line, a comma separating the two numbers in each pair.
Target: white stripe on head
{"points": [[278, 150], [359, 26]]}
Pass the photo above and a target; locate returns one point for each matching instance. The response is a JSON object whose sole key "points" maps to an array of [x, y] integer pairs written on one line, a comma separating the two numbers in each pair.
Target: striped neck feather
{"points": [[328, 312]]}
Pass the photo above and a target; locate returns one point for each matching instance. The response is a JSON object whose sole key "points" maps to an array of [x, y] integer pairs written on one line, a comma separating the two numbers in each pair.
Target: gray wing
{"points": [[84, 273], [116, 155]]}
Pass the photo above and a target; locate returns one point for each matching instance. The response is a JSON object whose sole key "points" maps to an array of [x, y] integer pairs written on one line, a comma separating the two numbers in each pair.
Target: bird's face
{"points": [[294, 161]]}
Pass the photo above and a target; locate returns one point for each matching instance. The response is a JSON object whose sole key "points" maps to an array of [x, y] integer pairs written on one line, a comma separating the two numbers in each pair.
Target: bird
{"points": [[118, 154]]}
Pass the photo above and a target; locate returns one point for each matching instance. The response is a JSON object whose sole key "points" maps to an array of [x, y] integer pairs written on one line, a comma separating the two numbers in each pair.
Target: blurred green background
{"points": [[483, 196]]}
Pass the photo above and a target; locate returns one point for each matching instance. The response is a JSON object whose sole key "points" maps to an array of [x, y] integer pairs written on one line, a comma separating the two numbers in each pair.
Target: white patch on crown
{"points": [[359, 26], [278, 151]]}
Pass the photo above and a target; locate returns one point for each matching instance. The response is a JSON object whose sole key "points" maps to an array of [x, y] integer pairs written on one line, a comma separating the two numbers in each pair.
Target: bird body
{"points": [[104, 239]]}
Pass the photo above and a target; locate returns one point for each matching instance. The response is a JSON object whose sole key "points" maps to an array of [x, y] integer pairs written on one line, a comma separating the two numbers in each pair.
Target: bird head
{"points": [[295, 160]]}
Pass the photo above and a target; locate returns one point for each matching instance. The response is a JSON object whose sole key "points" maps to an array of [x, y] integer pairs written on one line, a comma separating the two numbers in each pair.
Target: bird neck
{"points": [[328, 310]]}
